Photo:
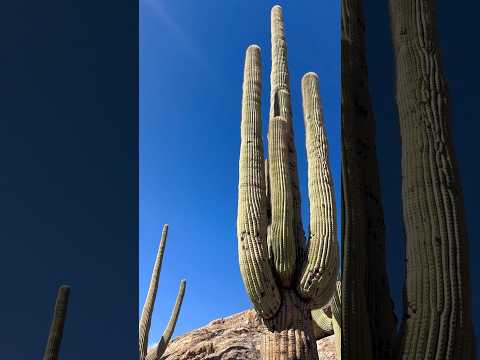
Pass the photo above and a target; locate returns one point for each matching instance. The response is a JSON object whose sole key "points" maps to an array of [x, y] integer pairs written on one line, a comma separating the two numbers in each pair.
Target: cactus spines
{"points": [[437, 323], [145, 320], [56, 328], [284, 280]]}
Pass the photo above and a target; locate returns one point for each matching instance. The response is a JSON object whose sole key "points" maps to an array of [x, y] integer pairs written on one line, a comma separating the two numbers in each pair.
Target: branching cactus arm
{"points": [[56, 329], [156, 352], [318, 276], [145, 320], [252, 217]]}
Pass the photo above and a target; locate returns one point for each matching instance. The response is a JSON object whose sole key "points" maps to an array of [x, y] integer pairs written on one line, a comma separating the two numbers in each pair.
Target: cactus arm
{"points": [[56, 328], [280, 85], [156, 352], [318, 276], [280, 235], [251, 221], [146, 317]]}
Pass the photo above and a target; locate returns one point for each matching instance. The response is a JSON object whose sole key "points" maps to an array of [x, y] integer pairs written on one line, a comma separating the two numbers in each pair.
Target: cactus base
{"points": [[291, 335]]}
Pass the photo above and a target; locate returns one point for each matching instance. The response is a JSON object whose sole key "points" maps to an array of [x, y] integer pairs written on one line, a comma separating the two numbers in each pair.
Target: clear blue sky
{"points": [[191, 68]]}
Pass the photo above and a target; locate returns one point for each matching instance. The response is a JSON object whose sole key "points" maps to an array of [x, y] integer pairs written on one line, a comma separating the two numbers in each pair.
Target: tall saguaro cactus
{"points": [[368, 322], [56, 328], [437, 323], [284, 279], [156, 352]]}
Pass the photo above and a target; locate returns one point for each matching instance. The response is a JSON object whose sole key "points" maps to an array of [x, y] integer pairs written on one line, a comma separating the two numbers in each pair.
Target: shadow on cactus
{"points": [[284, 277], [157, 351]]}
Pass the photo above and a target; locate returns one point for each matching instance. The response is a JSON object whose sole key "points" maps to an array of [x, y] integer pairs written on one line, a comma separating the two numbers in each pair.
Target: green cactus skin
{"points": [[157, 351], [368, 321], [437, 323], [283, 279], [56, 329]]}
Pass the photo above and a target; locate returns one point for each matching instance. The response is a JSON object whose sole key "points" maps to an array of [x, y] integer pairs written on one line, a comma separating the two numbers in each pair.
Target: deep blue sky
{"points": [[191, 68]]}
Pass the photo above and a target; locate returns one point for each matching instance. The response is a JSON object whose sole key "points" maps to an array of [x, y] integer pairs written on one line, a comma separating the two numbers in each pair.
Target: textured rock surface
{"points": [[235, 337]]}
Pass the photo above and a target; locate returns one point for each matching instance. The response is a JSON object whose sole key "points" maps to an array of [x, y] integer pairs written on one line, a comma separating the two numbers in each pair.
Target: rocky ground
{"points": [[231, 338]]}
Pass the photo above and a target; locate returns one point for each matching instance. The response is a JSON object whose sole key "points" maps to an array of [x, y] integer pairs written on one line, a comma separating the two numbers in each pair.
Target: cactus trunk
{"points": [[437, 319], [368, 321]]}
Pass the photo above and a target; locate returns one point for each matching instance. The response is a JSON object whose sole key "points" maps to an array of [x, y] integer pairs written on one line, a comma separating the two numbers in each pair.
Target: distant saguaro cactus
{"points": [[56, 328], [284, 279], [437, 322], [157, 351]]}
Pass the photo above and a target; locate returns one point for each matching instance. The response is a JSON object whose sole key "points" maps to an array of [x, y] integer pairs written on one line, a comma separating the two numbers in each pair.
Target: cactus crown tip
{"points": [[310, 76], [276, 8], [253, 47]]}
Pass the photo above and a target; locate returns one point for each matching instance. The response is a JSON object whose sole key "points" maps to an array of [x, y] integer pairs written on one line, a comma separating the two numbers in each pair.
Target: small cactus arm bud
{"points": [[56, 329], [255, 267]]}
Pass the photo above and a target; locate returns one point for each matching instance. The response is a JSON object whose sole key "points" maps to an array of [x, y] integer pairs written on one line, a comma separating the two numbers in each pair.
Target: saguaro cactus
{"points": [[56, 328], [284, 280], [368, 322], [437, 323], [157, 351]]}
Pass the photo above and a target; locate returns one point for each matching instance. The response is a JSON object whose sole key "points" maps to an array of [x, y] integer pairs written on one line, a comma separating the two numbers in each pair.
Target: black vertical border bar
{"points": [[69, 176]]}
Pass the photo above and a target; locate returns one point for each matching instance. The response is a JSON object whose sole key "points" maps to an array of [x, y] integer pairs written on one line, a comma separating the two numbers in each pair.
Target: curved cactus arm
{"points": [[322, 323], [318, 276], [280, 235], [156, 352], [280, 86], [146, 318], [252, 216], [56, 328]]}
